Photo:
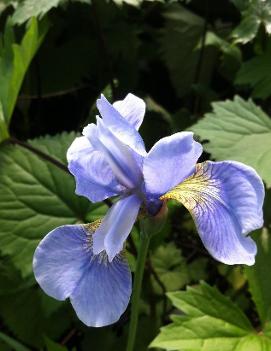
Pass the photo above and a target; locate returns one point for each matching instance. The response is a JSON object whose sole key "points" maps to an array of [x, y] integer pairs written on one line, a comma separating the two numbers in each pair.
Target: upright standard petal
{"points": [[120, 127], [132, 108], [93, 175], [123, 161], [116, 226], [170, 161], [225, 200], [64, 266]]}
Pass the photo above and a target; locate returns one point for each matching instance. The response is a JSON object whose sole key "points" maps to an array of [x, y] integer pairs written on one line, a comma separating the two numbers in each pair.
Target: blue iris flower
{"points": [[86, 262]]}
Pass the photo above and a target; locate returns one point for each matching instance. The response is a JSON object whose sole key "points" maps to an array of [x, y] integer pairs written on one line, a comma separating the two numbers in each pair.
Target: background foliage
{"points": [[201, 65]]}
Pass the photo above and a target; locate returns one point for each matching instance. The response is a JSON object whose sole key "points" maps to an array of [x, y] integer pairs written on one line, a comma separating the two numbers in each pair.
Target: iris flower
{"points": [[86, 263]]}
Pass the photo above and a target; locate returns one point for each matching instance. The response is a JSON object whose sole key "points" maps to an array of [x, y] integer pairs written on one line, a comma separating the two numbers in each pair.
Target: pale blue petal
{"points": [[103, 294], [64, 266], [59, 260], [248, 200], [124, 162], [170, 161], [93, 175], [225, 200], [221, 235], [132, 108], [116, 226], [120, 127]]}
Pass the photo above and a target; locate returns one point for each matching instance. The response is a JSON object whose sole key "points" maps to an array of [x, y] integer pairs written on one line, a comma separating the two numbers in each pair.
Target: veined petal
{"points": [[170, 161], [93, 175], [59, 260], [116, 226], [225, 200], [123, 161], [132, 108], [64, 266], [103, 294], [120, 127]]}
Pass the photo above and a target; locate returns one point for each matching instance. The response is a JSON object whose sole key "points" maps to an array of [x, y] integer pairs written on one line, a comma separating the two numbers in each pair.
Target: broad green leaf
{"points": [[16, 346], [11, 280], [258, 275], [223, 45], [254, 343], [36, 197], [14, 62], [194, 302], [231, 56], [212, 322], [179, 43], [254, 13], [30, 314], [238, 130], [5, 3], [256, 73], [33, 8], [199, 334], [247, 29], [170, 266]]}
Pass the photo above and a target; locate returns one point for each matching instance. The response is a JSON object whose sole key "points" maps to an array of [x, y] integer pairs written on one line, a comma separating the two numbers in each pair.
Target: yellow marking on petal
{"points": [[92, 227], [199, 188]]}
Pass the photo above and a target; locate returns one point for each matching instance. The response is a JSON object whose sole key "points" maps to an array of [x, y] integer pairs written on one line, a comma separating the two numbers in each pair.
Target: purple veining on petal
{"points": [[65, 267]]}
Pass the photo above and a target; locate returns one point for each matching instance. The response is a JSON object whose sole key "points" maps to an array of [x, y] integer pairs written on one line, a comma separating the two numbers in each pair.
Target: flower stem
{"points": [[140, 265]]}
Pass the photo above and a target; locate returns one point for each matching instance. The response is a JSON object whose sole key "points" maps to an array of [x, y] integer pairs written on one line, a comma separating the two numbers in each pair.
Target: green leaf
{"points": [[11, 279], [212, 322], [170, 266], [254, 13], [16, 346], [179, 45], [231, 56], [5, 3], [30, 314], [258, 275], [32, 8], [14, 62], [256, 73], [194, 302], [238, 130], [36, 197]]}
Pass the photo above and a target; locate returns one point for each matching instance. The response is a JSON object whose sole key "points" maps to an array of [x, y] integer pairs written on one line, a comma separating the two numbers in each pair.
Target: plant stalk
{"points": [[140, 265]]}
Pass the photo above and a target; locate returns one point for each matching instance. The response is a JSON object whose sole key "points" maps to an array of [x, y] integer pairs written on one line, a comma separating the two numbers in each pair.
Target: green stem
{"points": [[140, 265]]}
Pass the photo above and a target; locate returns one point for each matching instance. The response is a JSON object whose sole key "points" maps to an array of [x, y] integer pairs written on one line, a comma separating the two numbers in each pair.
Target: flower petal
{"points": [[103, 294], [116, 226], [120, 127], [169, 162], [93, 175], [132, 108], [124, 162], [64, 266], [225, 200], [59, 260]]}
